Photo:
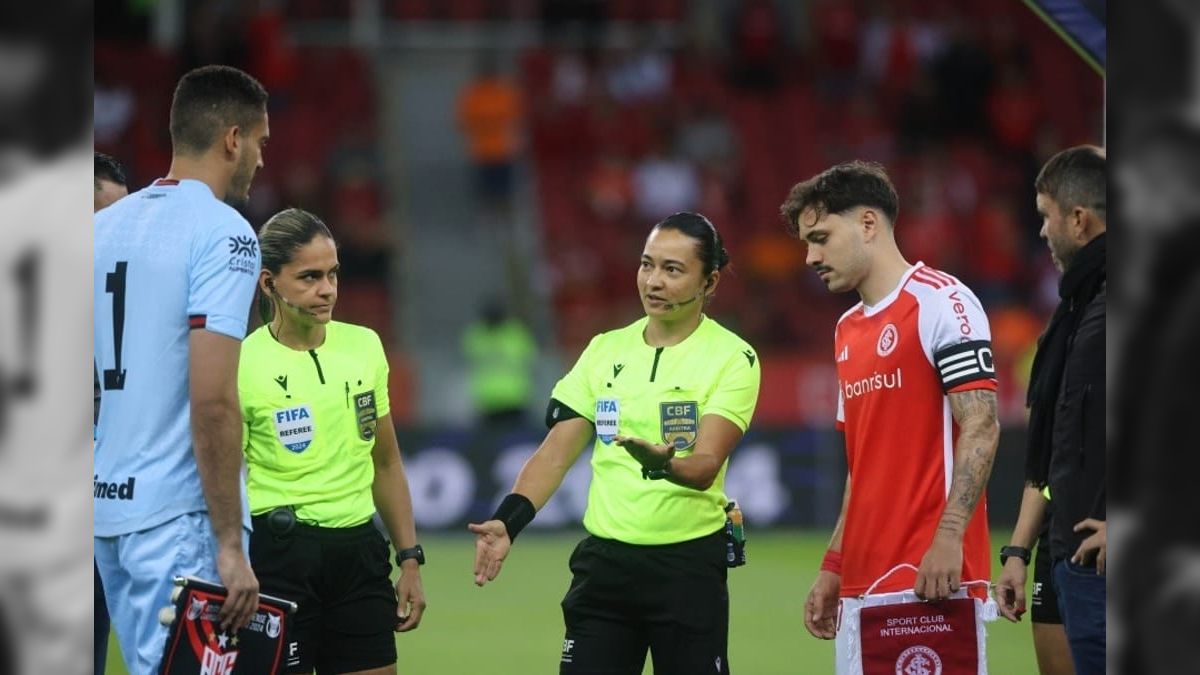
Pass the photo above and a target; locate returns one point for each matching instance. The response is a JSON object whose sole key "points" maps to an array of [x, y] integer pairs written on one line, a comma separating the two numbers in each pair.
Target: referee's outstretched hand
{"points": [[491, 548], [650, 455]]}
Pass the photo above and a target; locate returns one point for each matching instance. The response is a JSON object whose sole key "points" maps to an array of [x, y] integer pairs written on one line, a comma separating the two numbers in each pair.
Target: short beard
{"points": [[239, 187], [1062, 259]]}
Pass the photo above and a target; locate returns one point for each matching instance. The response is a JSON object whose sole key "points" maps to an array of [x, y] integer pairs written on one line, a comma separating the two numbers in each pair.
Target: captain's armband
{"points": [[965, 362]]}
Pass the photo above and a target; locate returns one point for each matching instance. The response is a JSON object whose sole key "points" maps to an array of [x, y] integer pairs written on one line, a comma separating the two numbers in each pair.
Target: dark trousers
{"points": [[1081, 601], [625, 599]]}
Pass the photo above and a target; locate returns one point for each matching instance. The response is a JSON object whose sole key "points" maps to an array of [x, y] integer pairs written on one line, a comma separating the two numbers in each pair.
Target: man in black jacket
{"points": [[1156, 602], [1065, 458]]}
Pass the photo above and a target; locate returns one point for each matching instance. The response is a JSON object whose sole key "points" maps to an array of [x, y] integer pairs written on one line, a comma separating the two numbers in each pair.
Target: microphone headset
{"points": [[672, 306], [271, 285]]}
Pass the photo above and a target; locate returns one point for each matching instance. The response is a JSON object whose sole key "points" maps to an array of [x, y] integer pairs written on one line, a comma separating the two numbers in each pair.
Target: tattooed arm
{"points": [[979, 433]]}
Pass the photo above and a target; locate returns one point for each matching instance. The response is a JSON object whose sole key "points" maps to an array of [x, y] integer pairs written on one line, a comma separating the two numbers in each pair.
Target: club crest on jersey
{"points": [[608, 417], [889, 337], [679, 421], [364, 412], [294, 427]]}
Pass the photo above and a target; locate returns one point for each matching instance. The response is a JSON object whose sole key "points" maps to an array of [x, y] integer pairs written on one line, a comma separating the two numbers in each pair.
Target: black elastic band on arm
{"points": [[557, 412], [515, 511]]}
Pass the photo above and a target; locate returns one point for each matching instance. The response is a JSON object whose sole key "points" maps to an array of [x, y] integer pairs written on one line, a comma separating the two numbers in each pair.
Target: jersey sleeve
{"points": [[736, 392], [574, 390], [223, 275], [957, 338], [840, 422], [383, 405]]}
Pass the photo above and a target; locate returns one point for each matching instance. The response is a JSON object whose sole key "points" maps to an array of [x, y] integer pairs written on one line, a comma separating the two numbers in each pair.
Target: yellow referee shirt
{"points": [[309, 423], [624, 386]]}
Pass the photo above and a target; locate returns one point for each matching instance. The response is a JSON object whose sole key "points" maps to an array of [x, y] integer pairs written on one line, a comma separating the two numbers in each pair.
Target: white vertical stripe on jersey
{"points": [[947, 443]]}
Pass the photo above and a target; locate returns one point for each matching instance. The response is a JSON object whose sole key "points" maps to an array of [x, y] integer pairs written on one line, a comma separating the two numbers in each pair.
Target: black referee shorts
{"points": [[340, 579], [625, 599], [1043, 605]]}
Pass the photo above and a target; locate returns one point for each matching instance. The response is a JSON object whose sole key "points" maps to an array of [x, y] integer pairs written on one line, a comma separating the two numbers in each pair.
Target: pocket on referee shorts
{"points": [[376, 565]]}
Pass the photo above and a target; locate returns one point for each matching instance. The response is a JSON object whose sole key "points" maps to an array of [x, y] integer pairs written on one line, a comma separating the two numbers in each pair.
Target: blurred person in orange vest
{"points": [[490, 112]]}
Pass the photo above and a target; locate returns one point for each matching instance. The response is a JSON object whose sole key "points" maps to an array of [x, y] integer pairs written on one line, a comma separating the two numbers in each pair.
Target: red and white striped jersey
{"points": [[896, 363]]}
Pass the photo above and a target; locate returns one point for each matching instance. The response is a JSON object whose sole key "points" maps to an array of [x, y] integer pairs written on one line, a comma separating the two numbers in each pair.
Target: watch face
{"points": [[416, 553]]}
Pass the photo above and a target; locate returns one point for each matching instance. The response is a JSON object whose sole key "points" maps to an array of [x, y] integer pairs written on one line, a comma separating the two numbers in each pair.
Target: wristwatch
{"points": [[415, 552], [1018, 551], [660, 473]]}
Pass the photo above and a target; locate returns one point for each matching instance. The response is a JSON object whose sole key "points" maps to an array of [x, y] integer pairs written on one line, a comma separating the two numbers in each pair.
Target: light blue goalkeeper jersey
{"points": [[168, 259]]}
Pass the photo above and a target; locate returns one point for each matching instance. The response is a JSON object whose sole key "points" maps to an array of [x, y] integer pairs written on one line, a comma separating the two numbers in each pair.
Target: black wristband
{"points": [[660, 473], [1021, 552], [515, 511]]}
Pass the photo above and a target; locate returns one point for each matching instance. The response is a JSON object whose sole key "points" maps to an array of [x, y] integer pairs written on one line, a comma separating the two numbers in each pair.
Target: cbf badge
{"points": [[679, 421], [364, 412], [294, 427], [608, 416]]}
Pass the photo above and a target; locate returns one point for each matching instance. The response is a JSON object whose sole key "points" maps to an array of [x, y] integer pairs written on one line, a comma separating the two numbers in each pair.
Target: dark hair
{"points": [[1076, 177], [109, 168], [710, 248], [210, 99], [840, 188], [280, 238]]}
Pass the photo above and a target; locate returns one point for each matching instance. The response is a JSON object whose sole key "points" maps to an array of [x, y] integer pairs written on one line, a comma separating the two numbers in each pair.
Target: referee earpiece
{"points": [[277, 294]]}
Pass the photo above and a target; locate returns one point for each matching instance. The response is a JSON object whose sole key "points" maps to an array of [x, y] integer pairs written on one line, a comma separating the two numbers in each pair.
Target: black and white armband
{"points": [[965, 362]]}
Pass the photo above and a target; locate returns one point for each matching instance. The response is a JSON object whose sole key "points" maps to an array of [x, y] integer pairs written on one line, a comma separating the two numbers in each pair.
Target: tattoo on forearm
{"points": [[975, 413]]}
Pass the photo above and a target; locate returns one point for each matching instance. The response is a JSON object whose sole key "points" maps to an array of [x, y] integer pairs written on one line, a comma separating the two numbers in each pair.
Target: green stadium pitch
{"points": [[513, 626]]}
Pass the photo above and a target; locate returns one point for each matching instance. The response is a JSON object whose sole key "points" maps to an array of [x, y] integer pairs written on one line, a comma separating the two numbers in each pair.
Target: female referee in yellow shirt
{"points": [[668, 397], [322, 458]]}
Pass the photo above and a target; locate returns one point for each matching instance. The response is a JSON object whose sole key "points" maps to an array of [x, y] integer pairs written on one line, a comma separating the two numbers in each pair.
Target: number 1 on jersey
{"points": [[114, 282]]}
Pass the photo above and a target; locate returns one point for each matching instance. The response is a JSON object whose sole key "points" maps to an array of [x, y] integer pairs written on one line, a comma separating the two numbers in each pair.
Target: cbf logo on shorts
{"points": [[294, 427], [608, 416], [364, 412], [679, 422]]}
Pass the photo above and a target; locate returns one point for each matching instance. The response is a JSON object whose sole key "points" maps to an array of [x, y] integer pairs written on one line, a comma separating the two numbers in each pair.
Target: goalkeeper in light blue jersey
{"points": [[175, 269]]}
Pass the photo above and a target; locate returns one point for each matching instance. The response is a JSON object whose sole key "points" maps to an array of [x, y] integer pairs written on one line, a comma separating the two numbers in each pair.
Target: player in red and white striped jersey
{"points": [[916, 400]]}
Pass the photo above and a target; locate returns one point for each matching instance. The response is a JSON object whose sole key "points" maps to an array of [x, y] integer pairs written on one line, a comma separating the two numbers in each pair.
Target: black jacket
{"points": [[1077, 464]]}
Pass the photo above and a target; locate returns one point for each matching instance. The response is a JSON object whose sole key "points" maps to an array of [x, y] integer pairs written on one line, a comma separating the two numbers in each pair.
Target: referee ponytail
{"points": [[709, 245], [279, 239]]}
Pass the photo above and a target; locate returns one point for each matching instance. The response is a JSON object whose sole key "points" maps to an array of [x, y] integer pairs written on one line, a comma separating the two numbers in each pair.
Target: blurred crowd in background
{"points": [[616, 114]]}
